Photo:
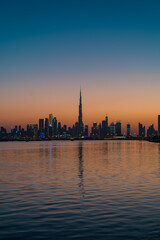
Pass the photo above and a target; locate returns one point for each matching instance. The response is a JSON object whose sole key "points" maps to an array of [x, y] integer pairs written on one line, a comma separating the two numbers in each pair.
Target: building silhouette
{"points": [[118, 128], [105, 128], [59, 129], [112, 129], [46, 127], [51, 129], [86, 131], [50, 119], [95, 130], [41, 126], [151, 131], [80, 122], [141, 130], [128, 129]]}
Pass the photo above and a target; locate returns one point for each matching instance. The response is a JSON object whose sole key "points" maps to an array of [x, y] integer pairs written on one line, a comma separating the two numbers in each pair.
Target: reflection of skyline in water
{"points": [[80, 188], [80, 168]]}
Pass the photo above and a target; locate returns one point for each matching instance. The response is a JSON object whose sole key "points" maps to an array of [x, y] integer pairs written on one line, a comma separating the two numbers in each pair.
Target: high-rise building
{"points": [[50, 131], [3, 131], [107, 120], [76, 129], [86, 131], [41, 126], [46, 127], [65, 128], [35, 130], [151, 131], [141, 130], [55, 132], [50, 119], [118, 128], [104, 128], [80, 122], [95, 130], [28, 130], [158, 124], [112, 129], [128, 129], [59, 128], [32, 130]]}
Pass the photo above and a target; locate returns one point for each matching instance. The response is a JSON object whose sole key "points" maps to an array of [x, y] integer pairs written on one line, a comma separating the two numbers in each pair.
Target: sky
{"points": [[48, 49]]}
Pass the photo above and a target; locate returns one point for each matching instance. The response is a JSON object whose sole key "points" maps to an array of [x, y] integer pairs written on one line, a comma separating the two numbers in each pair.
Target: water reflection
{"points": [[50, 154], [80, 168], [80, 190]]}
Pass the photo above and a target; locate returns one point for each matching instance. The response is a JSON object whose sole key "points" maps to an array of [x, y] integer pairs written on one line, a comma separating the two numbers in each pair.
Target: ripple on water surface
{"points": [[80, 190]]}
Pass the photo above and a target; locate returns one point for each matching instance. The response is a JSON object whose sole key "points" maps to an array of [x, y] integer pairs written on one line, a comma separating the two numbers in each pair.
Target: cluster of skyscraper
{"points": [[151, 132], [105, 130], [50, 128]]}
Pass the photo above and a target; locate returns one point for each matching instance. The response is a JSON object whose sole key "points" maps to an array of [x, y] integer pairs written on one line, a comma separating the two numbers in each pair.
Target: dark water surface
{"points": [[80, 190]]}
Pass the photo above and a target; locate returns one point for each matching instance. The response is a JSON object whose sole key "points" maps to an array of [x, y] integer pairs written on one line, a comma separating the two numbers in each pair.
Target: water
{"points": [[80, 190]]}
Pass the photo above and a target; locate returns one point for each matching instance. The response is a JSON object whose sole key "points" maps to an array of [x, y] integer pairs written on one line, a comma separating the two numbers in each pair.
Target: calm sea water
{"points": [[80, 190]]}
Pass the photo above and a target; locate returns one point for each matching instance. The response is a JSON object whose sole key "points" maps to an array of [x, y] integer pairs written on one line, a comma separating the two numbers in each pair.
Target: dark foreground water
{"points": [[80, 190]]}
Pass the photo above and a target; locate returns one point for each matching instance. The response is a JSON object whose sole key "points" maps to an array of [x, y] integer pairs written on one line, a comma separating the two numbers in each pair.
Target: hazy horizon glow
{"points": [[51, 48]]}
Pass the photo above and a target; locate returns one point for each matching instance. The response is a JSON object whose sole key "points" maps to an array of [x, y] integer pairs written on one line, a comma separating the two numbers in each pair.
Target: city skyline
{"points": [[134, 128], [80, 119], [48, 126], [109, 48]]}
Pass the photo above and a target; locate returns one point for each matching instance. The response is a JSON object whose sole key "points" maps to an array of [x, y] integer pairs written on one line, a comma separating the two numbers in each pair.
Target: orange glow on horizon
{"points": [[125, 103]]}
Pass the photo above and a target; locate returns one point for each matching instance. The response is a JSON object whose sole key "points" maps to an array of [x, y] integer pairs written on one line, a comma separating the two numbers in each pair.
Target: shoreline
{"points": [[76, 139]]}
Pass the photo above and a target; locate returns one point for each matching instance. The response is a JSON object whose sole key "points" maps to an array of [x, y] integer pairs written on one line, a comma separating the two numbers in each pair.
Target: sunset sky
{"points": [[48, 49]]}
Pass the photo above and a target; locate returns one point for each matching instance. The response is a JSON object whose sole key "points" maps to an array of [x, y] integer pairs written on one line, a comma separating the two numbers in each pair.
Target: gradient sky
{"points": [[48, 49]]}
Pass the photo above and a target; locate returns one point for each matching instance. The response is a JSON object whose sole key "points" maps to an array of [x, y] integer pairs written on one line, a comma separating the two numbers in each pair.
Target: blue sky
{"points": [[63, 36]]}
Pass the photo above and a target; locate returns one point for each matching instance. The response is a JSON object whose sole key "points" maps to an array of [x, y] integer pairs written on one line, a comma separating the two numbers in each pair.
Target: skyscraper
{"points": [[151, 131], [86, 131], [118, 128], [41, 126], [80, 122], [105, 130], [46, 127], [128, 129], [141, 130], [95, 130], [50, 119], [54, 127], [112, 129]]}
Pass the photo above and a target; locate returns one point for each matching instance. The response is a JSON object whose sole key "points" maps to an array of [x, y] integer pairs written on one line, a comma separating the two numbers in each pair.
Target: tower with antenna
{"points": [[80, 122]]}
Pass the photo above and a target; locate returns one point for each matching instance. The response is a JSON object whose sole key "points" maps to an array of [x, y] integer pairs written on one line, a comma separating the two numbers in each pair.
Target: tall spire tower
{"points": [[80, 122]]}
